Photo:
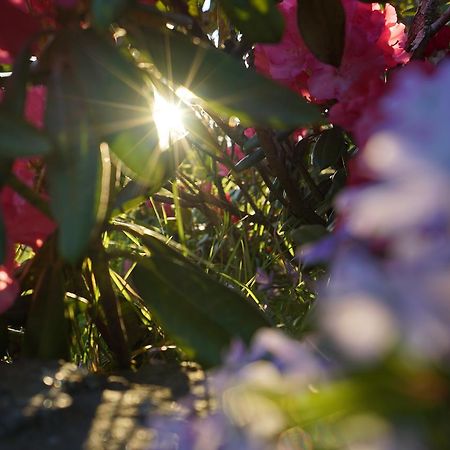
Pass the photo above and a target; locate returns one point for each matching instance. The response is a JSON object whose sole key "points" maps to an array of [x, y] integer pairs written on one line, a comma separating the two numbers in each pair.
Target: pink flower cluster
{"points": [[21, 20], [373, 43], [24, 224]]}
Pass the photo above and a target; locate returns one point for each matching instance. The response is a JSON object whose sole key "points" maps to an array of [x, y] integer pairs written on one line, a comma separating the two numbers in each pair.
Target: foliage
{"points": [[173, 175]]}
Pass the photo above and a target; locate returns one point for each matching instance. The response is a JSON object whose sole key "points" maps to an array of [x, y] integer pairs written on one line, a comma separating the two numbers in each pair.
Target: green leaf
{"points": [[129, 197], [258, 20], [119, 103], [250, 160], [19, 139], [322, 26], [46, 333], [104, 12], [195, 308], [73, 167], [307, 234], [223, 84], [16, 89], [328, 149]]}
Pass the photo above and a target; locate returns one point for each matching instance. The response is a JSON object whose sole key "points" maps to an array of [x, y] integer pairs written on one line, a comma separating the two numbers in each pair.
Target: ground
{"points": [[59, 406]]}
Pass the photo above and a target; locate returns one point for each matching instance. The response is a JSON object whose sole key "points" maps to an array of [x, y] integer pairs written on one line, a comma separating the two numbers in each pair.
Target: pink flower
{"points": [[35, 105], [236, 154], [374, 43], [9, 289], [440, 42], [16, 28], [289, 60], [24, 224]]}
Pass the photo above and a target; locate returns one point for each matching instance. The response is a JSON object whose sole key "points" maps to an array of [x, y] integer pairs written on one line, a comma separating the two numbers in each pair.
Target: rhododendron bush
{"points": [[260, 186]]}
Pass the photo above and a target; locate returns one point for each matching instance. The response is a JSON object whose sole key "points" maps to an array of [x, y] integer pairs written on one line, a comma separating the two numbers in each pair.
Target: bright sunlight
{"points": [[168, 120]]}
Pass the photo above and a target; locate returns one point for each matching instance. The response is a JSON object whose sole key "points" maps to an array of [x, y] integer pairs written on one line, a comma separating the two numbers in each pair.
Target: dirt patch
{"points": [[61, 406]]}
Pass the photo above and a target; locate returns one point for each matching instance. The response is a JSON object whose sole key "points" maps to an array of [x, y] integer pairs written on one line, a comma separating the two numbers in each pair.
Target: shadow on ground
{"points": [[60, 406]]}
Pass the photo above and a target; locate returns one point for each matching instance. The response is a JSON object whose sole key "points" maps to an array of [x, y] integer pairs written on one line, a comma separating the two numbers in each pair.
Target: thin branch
{"points": [[28, 194], [440, 23]]}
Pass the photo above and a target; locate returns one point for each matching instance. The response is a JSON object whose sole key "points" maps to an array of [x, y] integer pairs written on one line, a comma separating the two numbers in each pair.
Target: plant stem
{"points": [[110, 306], [28, 194]]}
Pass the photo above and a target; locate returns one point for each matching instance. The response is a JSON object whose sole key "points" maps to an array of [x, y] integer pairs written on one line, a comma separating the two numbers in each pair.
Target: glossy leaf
{"points": [[250, 160], [19, 139], [259, 21], [223, 84], [329, 147], [73, 167], [119, 102], [322, 26], [194, 307]]}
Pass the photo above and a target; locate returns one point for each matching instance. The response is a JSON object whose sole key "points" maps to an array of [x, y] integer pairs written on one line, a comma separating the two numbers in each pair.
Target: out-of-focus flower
{"points": [[376, 302], [9, 288], [22, 20], [246, 418], [439, 43], [24, 224], [263, 279], [16, 28], [409, 158]]}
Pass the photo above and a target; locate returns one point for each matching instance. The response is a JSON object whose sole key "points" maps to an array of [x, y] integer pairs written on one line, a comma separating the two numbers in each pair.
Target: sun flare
{"points": [[168, 119]]}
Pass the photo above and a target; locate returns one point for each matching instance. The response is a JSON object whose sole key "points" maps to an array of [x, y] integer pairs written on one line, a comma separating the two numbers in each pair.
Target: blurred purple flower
{"points": [[263, 279], [375, 302]]}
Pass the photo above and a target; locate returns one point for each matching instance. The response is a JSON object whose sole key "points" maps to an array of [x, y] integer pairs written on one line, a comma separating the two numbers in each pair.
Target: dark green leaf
{"points": [[104, 12], [16, 89], [251, 143], [308, 233], [118, 102], [176, 289], [46, 333], [73, 167], [223, 84], [322, 25], [328, 149], [19, 139], [250, 160], [129, 197], [258, 20]]}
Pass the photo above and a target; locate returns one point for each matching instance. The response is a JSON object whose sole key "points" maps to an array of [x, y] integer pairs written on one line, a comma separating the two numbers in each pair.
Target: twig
{"points": [[439, 23], [28, 194], [420, 32]]}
